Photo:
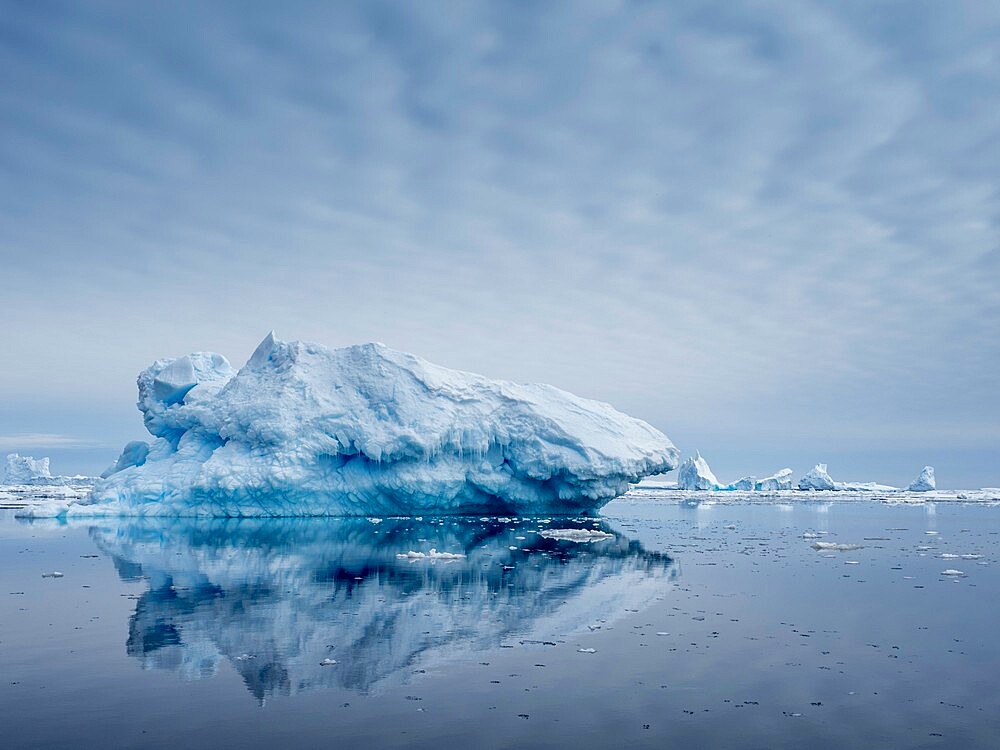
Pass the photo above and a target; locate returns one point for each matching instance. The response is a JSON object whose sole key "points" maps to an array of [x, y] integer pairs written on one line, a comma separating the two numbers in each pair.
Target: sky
{"points": [[770, 229]]}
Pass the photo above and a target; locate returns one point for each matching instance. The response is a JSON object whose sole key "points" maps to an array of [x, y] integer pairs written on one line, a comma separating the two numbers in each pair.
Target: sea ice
{"points": [[694, 474], [304, 430]]}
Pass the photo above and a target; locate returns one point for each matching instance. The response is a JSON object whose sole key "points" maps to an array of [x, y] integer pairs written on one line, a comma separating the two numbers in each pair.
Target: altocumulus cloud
{"points": [[768, 228]]}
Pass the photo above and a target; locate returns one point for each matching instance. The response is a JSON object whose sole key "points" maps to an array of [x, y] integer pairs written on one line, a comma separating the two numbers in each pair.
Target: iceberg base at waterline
{"points": [[302, 430]]}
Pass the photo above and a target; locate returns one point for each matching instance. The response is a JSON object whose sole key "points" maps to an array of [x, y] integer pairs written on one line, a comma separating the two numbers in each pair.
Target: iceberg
{"points": [[780, 480], [694, 474], [302, 430], [24, 469], [925, 482], [819, 479], [744, 484]]}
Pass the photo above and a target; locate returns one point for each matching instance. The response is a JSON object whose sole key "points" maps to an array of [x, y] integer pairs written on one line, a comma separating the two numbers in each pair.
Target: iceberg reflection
{"points": [[300, 604]]}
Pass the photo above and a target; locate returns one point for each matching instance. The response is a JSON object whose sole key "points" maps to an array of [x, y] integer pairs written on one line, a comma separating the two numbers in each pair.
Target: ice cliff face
{"points": [[24, 469], [304, 430], [925, 482], [695, 474]]}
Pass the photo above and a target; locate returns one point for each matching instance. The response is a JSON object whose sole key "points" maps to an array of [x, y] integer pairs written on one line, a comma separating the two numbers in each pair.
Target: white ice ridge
{"points": [[24, 469], [365, 430]]}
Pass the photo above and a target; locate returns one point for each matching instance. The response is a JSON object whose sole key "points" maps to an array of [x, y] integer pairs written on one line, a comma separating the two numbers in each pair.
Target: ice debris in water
{"points": [[53, 574], [952, 572], [575, 535], [365, 430], [432, 555], [835, 546], [328, 662]]}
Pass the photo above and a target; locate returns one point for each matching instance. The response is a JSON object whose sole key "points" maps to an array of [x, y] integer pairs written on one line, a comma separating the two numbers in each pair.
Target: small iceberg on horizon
{"points": [[695, 474], [925, 482], [818, 478]]}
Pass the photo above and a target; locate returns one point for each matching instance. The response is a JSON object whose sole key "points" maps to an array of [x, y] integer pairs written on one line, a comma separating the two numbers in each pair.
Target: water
{"points": [[705, 626]]}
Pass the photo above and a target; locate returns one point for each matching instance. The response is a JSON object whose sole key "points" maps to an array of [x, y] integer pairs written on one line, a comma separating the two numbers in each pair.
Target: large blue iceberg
{"points": [[302, 430]]}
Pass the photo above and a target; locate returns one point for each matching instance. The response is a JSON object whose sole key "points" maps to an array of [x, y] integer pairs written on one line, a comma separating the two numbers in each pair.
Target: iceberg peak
{"points": [[925, 482], [695, 474]]}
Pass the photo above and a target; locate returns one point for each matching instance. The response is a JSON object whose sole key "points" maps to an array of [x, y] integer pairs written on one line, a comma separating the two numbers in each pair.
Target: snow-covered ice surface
{"points": [[303, 430]]}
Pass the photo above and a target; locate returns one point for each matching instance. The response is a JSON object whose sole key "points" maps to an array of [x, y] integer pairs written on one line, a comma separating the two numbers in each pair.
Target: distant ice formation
{"points": [[24, 469], [819, 479], [694, 474], [746, 483], [780, 480], [365, 430], [925, 482]]}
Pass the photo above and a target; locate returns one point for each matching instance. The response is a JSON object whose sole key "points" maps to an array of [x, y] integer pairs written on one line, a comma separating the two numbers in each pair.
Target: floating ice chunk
{"points": [[780, 480], [575, 535], [432, 555], [952, 572], [925, 482], [837, 547], [587, 650], [328, 662], [694, 474], [365, 430], [53, 574]]}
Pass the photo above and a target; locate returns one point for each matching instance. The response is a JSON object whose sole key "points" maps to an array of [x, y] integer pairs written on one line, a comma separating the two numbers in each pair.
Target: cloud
{"points": [[33, 441], [716, 216]]}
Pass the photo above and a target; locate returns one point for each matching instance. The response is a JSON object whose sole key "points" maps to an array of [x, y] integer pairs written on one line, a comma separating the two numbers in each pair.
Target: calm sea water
{"points": [[659, 625]]}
